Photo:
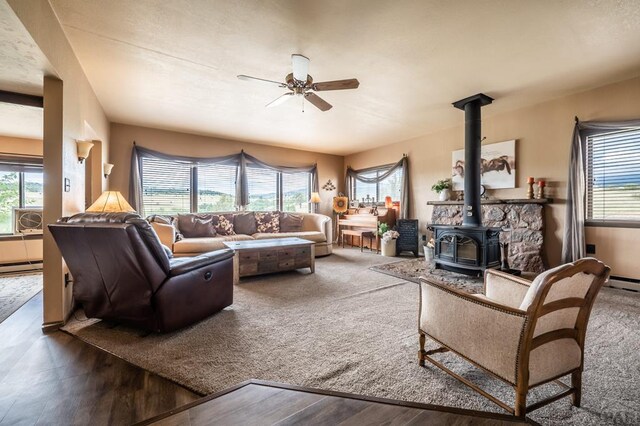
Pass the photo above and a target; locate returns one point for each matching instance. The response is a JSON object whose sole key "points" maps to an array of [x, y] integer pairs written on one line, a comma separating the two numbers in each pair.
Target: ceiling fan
{"points": [[301, 84]]}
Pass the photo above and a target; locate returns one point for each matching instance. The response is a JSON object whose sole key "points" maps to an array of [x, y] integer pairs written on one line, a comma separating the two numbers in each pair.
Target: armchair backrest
{"points": [[116, 260], [559, 302]]}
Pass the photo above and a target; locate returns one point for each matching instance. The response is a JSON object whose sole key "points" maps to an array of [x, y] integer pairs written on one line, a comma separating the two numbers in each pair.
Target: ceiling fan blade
{"points": [[249, 78], [318, 102], [300, 65], [351, 83], [279, 100]]}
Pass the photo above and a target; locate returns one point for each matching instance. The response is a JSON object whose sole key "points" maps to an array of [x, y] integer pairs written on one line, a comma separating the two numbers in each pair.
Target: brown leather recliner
{"points": [[122, 272]]}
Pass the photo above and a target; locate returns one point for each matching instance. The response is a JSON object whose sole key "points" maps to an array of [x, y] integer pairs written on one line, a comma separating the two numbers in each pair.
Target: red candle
{"points": [[541, 183], [531, 180]]}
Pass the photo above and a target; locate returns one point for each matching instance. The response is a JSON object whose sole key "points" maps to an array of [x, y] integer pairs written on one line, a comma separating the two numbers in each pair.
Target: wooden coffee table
{"points": [[258, 257]]}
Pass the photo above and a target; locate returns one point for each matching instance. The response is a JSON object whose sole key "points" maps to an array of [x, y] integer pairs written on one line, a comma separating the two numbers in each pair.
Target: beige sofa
{"points": [[315, 227]]}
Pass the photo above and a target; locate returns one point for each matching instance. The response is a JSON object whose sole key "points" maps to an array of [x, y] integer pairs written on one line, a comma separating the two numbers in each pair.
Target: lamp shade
{"points": [[388, 202], [106, 168], [315, 198], [110, 202], [83, 147]]}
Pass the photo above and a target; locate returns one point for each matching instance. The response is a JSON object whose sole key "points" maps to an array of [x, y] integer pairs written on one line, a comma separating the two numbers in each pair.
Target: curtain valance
{"points": [[573, 243], [360, 175], [242, 160]]}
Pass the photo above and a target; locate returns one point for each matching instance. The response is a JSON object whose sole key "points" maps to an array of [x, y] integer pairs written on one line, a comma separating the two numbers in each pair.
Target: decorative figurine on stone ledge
{"points": [[541, 184], [530, 182]]}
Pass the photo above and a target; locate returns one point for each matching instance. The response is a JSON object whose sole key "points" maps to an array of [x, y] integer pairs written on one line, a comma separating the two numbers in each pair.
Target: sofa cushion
{"points": [[223, 224], [290, 222], [167, 220], [267, 222], [315, 236], [205, 244], [245, 223], [196, 225]]}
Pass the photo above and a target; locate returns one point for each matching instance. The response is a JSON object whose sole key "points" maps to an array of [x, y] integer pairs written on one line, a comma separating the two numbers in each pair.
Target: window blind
{"points": [[263, 189], [216, 188], [166, 187], [613, 176], [296, 191]]}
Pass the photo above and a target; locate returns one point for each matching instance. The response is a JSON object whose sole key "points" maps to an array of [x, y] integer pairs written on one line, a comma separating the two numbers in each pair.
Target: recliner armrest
{"points": [[182, 265]]}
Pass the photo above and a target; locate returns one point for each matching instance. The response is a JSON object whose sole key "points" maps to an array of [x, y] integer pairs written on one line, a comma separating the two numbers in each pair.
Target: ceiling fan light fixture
{"points": [[301, 84]]}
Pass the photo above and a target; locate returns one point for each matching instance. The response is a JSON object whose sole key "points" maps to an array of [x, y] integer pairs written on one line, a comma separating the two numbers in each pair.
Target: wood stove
{"points": [[470, 248], [467, 250]]}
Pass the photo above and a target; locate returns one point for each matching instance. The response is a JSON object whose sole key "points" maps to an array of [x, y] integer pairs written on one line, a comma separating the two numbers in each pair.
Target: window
{"points": [[263, 189], [613, 177], [170, 187], [216, 188], [391, 186], [20, 186], [296, 191], [166, 186]]}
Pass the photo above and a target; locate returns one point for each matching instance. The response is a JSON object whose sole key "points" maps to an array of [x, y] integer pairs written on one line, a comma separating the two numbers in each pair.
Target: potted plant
{"points": [[443, 188]]}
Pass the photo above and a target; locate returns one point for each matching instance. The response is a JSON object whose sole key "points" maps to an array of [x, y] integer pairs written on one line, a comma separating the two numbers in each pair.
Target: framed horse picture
{"points": [[497, 167]]}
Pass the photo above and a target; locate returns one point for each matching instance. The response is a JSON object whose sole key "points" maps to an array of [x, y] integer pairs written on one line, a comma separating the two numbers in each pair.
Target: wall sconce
{"points": [[106, 168], [84, 147]]}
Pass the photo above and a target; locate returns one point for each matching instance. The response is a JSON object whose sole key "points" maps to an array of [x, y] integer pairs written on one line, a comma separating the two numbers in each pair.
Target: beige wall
{"points": [[21, 146], [122, 137], [543, 134], [71, 112], [27, 250]]}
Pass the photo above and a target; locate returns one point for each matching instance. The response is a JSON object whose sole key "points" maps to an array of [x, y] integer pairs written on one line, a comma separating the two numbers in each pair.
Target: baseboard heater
{"points": [[35, 265], [624, 283]]}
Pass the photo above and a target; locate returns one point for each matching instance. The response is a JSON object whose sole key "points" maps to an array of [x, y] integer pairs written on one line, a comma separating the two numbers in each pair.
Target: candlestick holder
{"points": [[540, 195], [530, 190]]}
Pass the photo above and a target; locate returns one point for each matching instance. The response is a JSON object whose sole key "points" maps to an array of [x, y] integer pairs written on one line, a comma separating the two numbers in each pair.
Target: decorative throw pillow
{"points": [[167, 220], [195, 225], [244, 223], [223, 224], [268, 222], [290, 222]]}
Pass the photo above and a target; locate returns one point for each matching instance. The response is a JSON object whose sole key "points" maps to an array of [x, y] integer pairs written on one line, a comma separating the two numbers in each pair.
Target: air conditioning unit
{"points": [[27, 221]]}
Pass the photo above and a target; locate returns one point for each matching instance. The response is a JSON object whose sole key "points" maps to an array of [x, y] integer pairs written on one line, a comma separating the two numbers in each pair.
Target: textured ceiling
{"points": [[22, 69], [172, 64]]}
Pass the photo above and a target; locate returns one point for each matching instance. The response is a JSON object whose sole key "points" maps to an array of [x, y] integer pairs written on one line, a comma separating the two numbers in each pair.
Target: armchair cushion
{"points": [[553, 359], [479, 329], [574, 286], [504, 288]]}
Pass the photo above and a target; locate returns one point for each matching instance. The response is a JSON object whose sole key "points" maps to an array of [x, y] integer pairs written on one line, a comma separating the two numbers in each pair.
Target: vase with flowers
{"points": [[442, 188], [388, 243]]}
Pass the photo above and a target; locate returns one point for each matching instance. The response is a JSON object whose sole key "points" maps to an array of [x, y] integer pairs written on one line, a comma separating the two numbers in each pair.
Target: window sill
{"points": [[612, 224], [13, 237]]}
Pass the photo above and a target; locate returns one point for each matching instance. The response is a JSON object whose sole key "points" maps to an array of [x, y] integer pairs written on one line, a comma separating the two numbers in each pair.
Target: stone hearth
{"points": [[525, 218]]}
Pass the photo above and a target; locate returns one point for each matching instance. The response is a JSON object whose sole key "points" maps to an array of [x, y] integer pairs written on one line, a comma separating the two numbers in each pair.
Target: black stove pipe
{"points": [[472, 211]]}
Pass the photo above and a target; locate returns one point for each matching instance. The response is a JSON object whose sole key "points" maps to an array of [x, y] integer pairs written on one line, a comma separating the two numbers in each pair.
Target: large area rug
{"points": [[348, 328], [16, 290]]}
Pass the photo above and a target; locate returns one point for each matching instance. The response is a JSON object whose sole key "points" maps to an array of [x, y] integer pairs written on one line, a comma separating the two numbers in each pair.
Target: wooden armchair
{"points": [[524, 333]]}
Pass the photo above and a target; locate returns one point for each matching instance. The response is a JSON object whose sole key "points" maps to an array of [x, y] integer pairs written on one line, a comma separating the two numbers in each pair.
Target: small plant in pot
{"points": [[442, 188]]}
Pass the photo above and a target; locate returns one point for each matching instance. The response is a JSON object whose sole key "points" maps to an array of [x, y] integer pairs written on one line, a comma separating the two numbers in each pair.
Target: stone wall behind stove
{"points": [[521, 220]]}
